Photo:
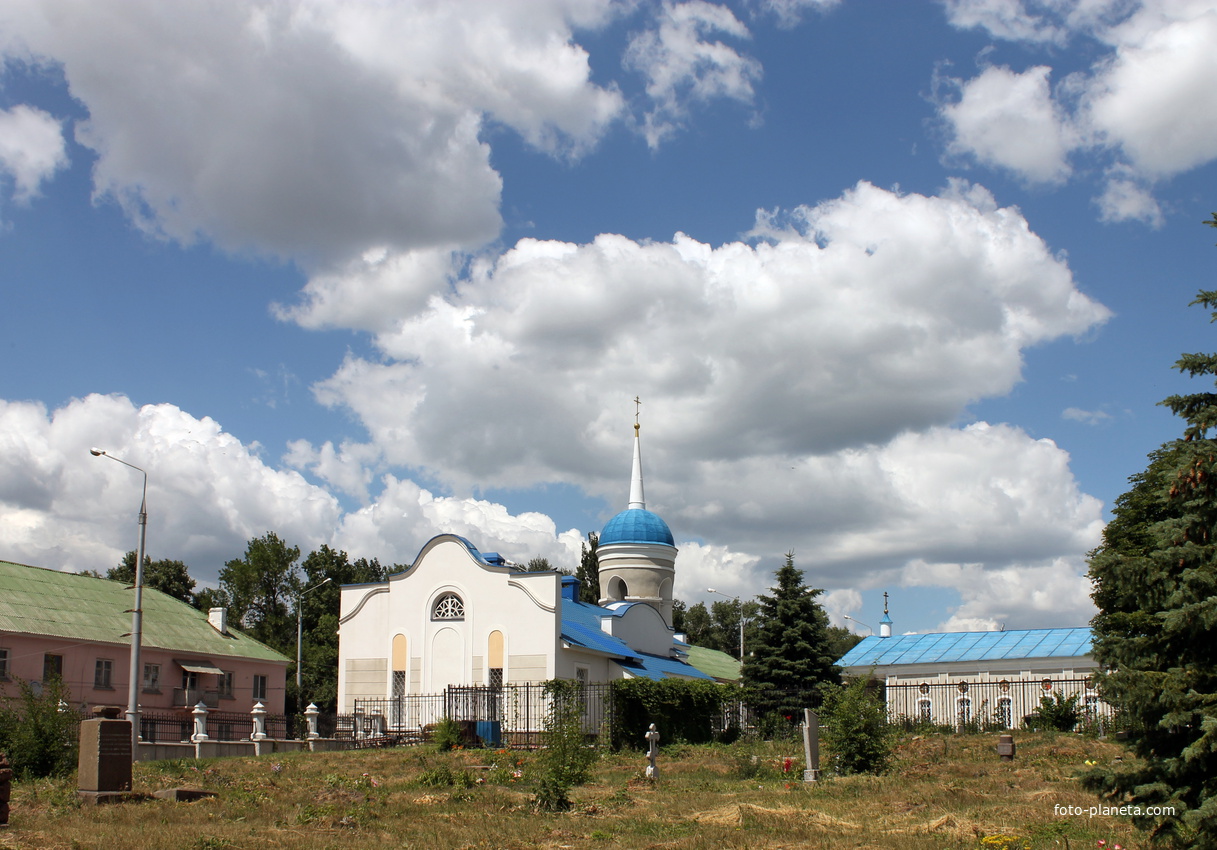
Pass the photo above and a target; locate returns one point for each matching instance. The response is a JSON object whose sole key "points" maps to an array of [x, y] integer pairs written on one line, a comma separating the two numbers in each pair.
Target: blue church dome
{"points": [[636, 525]]}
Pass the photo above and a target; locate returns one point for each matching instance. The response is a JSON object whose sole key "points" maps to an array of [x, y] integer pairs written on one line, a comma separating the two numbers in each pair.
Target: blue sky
{"points": [[899, 284]]}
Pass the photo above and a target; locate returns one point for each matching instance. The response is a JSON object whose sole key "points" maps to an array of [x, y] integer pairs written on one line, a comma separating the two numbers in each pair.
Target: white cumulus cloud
{"points": [[32, 149], [315, 130], [1146, 109], [682, 66], [1009, 120]]}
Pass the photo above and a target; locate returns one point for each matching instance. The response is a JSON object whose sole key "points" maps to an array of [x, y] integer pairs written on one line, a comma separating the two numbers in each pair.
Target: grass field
{"points": [[944, 792]]}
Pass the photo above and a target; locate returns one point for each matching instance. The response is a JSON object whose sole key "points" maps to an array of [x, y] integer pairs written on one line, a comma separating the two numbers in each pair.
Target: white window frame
{"points": [[448, 606], [963, 711]]}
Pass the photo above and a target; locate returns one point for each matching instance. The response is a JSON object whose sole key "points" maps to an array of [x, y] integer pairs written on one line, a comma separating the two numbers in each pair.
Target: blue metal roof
{"points": [[969, 646], [655, 667], [581, 627], [636, 525]]}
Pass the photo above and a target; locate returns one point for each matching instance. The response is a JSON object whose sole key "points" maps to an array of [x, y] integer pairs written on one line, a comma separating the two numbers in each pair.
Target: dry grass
{"points": [[944, 792]]}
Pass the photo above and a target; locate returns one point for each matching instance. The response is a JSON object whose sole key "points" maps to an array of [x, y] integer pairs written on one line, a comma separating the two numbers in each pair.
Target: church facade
{"points": [[458, 616]]}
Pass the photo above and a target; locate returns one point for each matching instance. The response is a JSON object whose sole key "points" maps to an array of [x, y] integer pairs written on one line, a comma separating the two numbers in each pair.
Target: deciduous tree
{"points": [[589, 571], [171, 577], [319, 615], [260, 590]]}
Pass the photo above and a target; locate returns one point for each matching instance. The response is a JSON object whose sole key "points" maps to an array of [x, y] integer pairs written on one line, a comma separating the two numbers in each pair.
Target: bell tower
{"points": [[636, 551]]}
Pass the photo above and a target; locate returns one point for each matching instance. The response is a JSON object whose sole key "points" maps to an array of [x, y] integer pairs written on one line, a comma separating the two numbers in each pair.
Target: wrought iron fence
{"points": [[155, 727], [989, 703], [511, 715]]}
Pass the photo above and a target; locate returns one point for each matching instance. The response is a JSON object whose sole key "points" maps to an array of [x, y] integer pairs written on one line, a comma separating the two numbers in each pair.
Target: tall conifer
{"points": [[1155, 580], [790, 655]]}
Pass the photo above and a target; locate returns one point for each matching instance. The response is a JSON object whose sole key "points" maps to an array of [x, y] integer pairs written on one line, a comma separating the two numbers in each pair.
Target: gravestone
{"points": [[811, 746], [1005, 747], [104, 766], [6, 787], [652, 737]]}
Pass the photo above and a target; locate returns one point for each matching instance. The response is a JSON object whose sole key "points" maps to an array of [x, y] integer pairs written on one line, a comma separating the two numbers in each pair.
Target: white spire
{"points": [[637, 497]]}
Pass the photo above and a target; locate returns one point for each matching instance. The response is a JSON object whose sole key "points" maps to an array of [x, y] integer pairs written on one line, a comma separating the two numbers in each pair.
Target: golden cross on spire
{"points": [[637, 410]]}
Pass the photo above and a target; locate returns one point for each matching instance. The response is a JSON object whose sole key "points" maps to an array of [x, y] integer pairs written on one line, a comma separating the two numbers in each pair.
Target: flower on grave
{"points": [[787, 765]]}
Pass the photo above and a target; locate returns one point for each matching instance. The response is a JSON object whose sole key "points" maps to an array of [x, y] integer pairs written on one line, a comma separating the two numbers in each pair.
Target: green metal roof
{"points": [[720, 665], [37, 601]]}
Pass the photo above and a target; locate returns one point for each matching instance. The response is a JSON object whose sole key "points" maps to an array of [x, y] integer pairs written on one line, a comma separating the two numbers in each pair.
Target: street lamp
{"points": [[859, 622], [300, 631], [137, 613], [741, 619]]}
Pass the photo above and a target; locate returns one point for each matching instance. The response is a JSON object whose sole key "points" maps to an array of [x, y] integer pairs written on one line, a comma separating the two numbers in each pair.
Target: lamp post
{"points": [[741, 619], [859, 622], [300, 630], [137, 613]]}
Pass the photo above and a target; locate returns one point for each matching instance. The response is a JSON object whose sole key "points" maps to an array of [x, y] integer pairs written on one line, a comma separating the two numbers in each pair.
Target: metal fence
{"points": [[156, 727], [990, 704], [511, 715]]}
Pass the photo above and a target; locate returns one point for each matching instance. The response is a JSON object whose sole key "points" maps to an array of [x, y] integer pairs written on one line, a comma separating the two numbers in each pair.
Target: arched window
{"points": [[616, 589], [925, 710], [963, 711], [1004, 714], [448, 607]]}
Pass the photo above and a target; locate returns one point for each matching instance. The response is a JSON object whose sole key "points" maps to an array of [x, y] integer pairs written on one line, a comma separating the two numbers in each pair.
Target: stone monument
{"points": [[811, 746], [1005, 747], [652, 737], [104, 766]]}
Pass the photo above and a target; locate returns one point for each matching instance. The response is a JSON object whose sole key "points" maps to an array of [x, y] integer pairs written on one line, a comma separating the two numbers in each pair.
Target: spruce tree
{"points": [[1155, 584], [790, 655]]}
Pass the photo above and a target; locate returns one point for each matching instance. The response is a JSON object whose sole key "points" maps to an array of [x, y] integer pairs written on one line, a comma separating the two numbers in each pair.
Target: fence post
{"points": [[200, 722], [259, 716], [310, 715]]}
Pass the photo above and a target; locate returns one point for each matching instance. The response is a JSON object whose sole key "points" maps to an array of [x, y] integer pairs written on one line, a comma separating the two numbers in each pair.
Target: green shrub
{"points": [[855, 729], [565, 759], [40, 732], [446, 734], [682, 710], [1056, 712]]}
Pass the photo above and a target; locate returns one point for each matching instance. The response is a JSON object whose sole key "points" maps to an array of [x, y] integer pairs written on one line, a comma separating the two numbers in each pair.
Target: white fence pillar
{"points": [[200, 723], [259, 716]]}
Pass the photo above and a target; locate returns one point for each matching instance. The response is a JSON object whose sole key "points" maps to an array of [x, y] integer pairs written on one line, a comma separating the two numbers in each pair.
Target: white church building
{"points": [[460, 617], [994, 679]]}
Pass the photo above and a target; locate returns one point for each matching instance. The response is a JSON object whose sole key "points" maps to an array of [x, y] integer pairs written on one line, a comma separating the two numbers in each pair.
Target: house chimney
{"points": [[218, 617]]}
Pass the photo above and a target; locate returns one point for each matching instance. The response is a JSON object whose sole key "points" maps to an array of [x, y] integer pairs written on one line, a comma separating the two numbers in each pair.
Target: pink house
{"points": [[77, 628]]}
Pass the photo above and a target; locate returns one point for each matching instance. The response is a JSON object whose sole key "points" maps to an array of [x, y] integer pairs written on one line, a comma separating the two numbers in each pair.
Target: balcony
{"points": [[190, 697]]}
